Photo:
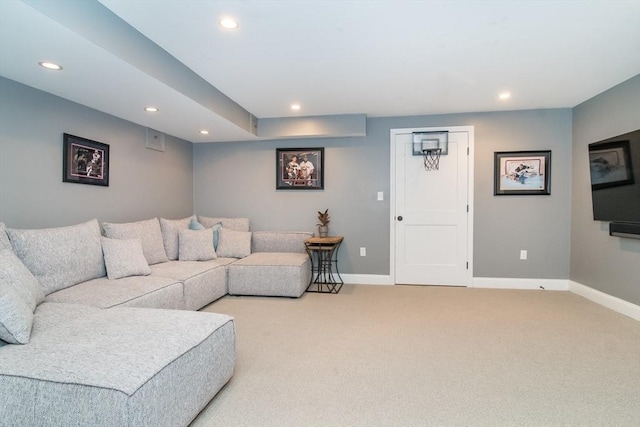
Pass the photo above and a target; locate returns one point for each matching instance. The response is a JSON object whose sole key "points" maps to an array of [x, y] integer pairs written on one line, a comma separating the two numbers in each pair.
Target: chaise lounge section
{"points": [[86, 366]]}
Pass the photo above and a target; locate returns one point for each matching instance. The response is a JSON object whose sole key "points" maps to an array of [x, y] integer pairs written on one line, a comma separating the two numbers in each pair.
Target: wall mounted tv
{"points": [[614, 166]]}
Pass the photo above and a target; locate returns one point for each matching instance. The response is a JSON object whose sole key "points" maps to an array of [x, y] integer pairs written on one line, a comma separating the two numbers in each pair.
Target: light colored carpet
{"points": [[429, 356]]}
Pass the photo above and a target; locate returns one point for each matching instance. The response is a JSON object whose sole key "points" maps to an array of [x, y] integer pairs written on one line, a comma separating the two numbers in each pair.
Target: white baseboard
{"points": [[616, 304], [509, 283], [478, 282], [611, 302], [366, 279]]}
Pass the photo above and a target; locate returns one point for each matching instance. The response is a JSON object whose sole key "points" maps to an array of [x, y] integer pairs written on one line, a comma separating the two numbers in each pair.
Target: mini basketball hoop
{"points": [[431, 145], [431, 159]]}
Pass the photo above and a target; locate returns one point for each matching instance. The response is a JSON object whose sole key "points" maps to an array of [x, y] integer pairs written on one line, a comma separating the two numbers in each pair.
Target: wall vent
{"points": [[155, 140]]}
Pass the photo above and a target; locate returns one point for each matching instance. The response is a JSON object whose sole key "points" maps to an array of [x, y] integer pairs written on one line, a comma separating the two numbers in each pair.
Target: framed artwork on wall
{"points": [[300, 168], [85, 161], [522, 173]]}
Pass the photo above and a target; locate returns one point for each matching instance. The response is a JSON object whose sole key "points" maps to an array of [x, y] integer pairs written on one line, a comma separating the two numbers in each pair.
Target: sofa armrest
{"points": [[279, 241]]}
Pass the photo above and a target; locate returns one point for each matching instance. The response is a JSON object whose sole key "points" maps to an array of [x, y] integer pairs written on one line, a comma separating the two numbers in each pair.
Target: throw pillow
{"points": [[60, 257], [170, 229], [216, 234], [14, 272], [196, 245], [149, 233], [20, 293], [195, 225], [124, 258], [16, 318], [234, 244]]}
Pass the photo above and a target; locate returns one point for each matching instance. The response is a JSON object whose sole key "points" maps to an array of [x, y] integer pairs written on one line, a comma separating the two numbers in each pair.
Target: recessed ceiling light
{"points": [[228, 23], [204, 132], [151, 109], [50, 65], [504, 95], [295, 107]]}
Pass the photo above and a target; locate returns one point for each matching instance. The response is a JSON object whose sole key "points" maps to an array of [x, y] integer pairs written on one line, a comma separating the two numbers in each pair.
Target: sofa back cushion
{"points": [[279, 241], [170, 228], [237, 224], [149, 233], [60, 257], [234, 244]]}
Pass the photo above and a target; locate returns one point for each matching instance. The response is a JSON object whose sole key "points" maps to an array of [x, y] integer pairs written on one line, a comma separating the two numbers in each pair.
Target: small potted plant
{"points": [[323, 227]]}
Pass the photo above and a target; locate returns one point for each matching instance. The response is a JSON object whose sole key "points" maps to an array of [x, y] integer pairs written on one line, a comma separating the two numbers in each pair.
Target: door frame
{"points": [[392, 194]]}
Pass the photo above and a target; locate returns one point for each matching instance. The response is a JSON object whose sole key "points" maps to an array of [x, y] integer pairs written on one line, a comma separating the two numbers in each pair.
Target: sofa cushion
{"points": [[134, 291], [170, 229], [149, 233], [124, 258], [279, 241], [234, 244], [196, 245], [270, 274], [238, 224], [119, 367], [4, 239], [61, 257], [203, 281]]}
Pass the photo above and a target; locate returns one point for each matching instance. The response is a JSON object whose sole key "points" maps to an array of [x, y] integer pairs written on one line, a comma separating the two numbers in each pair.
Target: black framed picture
{"points": [[610, 164], [85, 161], [523, 173], [300, 168]]}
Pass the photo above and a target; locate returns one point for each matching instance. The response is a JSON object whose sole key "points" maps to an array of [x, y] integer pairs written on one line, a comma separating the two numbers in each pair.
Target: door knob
{"points": [[400, 218]]}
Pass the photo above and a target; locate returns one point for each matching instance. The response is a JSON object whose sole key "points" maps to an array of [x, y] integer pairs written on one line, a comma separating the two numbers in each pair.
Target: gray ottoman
{"points": [[282, 274]]}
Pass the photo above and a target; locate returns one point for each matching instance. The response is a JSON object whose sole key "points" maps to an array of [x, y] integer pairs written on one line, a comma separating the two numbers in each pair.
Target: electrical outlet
{"points": [[523, 254], [363, 251]]}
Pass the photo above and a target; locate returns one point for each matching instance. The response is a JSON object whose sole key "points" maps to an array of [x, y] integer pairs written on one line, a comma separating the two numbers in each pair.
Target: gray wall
{"points": [[239, 179], [609, 264], [144, 183]]}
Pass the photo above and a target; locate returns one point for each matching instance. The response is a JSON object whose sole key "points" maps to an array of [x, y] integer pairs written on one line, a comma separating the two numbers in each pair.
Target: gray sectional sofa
{"points": [[98, 324]]}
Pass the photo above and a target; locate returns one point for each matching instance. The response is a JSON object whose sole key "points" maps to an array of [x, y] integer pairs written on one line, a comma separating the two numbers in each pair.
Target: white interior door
{"points": [[431, 218]]}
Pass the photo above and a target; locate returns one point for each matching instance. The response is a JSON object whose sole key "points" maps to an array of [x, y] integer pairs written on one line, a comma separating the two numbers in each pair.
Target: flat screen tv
{"points": [[614, 166]]}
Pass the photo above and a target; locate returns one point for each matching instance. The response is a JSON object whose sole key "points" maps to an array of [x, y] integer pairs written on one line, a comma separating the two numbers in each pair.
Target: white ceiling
{"points": [[379, 58]]}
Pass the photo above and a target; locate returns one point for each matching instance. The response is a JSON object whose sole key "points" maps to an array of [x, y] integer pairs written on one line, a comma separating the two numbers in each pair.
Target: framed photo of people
{"points": [[300, 168], [85, 161]]}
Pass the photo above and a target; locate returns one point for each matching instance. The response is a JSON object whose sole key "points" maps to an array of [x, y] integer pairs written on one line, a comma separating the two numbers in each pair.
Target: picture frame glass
{"points": [[522, 173], [85, 161], [300, 168]]}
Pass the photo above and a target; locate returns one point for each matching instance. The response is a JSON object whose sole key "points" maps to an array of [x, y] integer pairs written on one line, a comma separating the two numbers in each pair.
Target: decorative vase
{"points": [[323, 230]]}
